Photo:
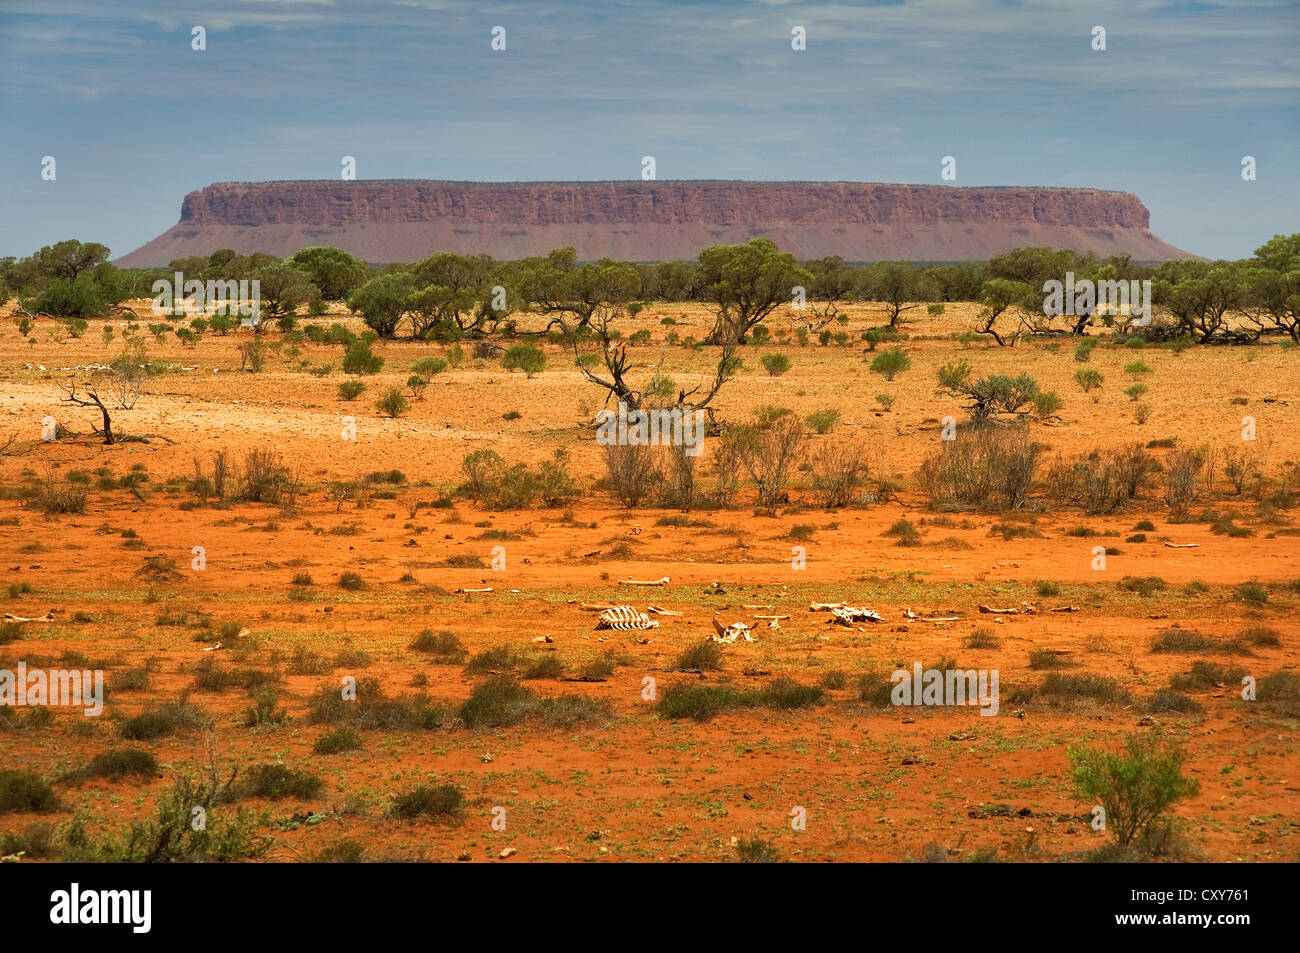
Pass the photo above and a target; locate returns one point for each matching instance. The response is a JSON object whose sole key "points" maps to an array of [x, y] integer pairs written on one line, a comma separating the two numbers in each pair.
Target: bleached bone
{"points": [[824, 606], [658, 610], [48, 617], [1026, 608], [1183, 545], [912, 616], [489, 589], [644, 582]]}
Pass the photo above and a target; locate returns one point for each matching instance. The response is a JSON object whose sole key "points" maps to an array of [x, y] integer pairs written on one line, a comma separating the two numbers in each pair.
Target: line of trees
{"points": [[448, 296]]}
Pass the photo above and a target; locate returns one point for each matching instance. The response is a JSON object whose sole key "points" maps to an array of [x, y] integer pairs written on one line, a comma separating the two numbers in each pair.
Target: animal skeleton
{"points": [[644, 582], [729, 634], [848, 615], [625, 618]]}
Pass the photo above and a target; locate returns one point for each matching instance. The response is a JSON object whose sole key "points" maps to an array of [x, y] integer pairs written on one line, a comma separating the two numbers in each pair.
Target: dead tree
{"points": [[615, 359], [91, 400]]}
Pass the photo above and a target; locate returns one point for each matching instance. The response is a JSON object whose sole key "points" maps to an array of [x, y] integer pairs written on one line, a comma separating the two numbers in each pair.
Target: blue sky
{"points": [[135, 119]]}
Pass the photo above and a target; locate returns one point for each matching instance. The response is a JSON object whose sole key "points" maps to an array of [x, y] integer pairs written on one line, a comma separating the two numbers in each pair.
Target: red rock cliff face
{"points": [[404, 220]]}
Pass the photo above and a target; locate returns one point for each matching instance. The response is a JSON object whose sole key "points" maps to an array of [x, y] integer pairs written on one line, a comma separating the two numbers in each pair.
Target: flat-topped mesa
{"points": [[404, 220]]}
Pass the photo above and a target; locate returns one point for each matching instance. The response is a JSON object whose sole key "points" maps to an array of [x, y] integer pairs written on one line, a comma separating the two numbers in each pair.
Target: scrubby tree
{"points": [[573, 297], [382, 301], [1003, 296], [68, 259], [988, 396], [1200, 295], [833, 282], [895, 283], [454, 296], [336, 273], [1274, 293], [746, 283], [283, 289]]}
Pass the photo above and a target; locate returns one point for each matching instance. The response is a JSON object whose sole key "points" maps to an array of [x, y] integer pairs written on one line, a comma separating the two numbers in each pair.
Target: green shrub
{"points": [[341, 852], [1142, 585], [393, 403], [1047, 404], [705, 656], [25, 792], [823, 421], [524, 357], [151, 724], [445, 647], [1252, 593], [546, 666], [776, 364], [891, 362], [700, 702], [783, 693], [337, 741], [429, 367], [1098, 688], [360, 359], [351, 389], [1165, 700], [443, 802], [118, 763], [498, 702], [1135, 786], [1088, 378], [756, 850], [275, 782]]}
